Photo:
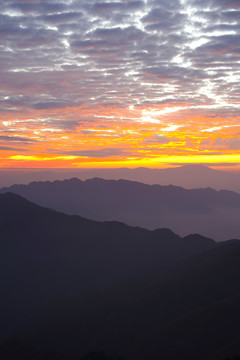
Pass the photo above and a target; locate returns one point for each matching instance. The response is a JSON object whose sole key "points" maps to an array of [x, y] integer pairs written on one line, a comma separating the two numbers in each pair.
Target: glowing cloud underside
{"points": [[119, 83]]}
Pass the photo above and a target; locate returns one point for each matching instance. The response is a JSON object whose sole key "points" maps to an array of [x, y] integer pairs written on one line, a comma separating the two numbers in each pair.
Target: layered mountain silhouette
{"points": [[188, 176], [209, 212], [44, 254], [73, 286]]}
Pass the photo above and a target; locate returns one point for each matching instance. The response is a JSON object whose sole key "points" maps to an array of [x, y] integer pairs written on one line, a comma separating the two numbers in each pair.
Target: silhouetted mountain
{"points": [[44, 254], [209, 212], [188, 176], [192, 311], [17, 350]]}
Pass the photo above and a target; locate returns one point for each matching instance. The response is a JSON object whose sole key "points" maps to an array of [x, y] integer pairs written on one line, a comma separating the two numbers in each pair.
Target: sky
{"points": [[130, 83]]}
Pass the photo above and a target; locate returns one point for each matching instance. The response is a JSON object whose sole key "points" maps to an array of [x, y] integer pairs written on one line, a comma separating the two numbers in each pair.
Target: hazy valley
{"points": [[206, 211]]}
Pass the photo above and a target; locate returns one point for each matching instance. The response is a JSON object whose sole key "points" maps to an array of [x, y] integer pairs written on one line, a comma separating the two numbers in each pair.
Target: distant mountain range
{"points": [[209, 212], [187, 176], [171, 297]]}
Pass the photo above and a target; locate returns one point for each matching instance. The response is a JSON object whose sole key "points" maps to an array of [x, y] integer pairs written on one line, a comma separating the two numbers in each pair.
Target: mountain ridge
{"points": [[73, 285], [212, 213], [188, 176], [44, 253]]}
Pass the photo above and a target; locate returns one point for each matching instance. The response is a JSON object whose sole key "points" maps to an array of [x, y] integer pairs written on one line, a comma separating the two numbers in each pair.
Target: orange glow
{"points": [[116, 137], [119, 90]]}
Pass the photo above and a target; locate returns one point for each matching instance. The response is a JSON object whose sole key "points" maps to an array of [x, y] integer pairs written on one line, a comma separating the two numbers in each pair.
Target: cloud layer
{"points": [[131, 79]]}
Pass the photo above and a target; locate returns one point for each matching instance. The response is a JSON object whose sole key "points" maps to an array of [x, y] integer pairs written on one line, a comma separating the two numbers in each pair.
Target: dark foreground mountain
{"points": [[209, 212], [181, 297], [44, 254], [192, 311]]}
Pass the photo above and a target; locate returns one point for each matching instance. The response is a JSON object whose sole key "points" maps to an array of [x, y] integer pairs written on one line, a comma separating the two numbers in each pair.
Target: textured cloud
{"points": [[8, 148], [113, 74], [15, 139], [100, 153]]}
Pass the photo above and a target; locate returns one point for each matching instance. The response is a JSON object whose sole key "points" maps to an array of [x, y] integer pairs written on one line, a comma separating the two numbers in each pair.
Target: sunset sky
{"points": [[129, 83]]}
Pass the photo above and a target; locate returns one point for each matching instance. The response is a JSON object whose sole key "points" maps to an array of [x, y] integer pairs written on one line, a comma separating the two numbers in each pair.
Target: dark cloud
{"points": [[66, 125], [50, 104], [156, 138], [174, 5], [226, 4], [8, 148], [216, 4], [99, 153], [162, 19], [230, 143], [116, 6], [223, 45], [63, 18], [16, 139], [118, 36], [35, 7], [34, 103]]}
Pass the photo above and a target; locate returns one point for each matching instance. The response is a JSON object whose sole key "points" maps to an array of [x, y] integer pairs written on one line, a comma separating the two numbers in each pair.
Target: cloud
{"points": [[63, 18], [32, 7], [100, 153], [230, 143], [222, 46], [16, 139], [67, 65], [234, 144], [68, 40], [8, 148], [217, 4], [163, 19], [159, 139]]}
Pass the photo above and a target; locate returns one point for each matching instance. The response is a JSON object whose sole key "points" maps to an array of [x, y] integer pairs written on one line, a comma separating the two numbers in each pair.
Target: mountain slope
{"points": [[209, 212], [44, 254], [192, 312]]}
